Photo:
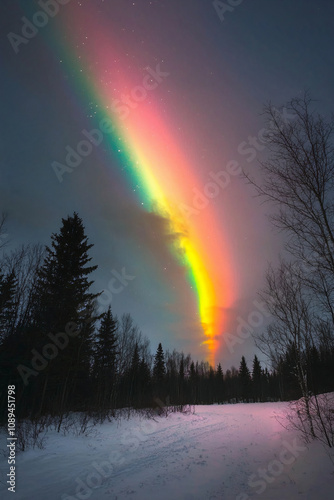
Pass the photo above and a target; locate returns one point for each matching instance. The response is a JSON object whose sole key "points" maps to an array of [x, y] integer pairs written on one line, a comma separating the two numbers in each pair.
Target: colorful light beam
{"points": [[155, 166]]}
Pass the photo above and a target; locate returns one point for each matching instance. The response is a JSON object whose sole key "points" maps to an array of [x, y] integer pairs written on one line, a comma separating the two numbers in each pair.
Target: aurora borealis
{"points": [[174, 97], [156, 168]]}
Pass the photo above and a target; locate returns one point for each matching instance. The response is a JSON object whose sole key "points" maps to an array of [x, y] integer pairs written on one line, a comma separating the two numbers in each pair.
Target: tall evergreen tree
{"points": [[159, 372], [244, 380], [288, 373], [219, 383], [133, 383], [159, 368], [211, 386], [181, 380], [144, 385], [193, 382], [63, 285], [106, 342], [105, 353], [63, 303], [257, 380], [181, 370]]}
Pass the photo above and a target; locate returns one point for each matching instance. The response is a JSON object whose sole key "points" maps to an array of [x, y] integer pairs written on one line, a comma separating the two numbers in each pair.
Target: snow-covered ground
{"points": [[225, 452]]}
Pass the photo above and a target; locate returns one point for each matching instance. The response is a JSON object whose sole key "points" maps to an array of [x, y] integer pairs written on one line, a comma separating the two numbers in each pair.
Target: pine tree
{"points": [[288, 374], [106, 342], [219, 384], [63, 303], [193, 383], [244, 380], [134, 378], [105, 353], [159, 372], [181, 371], [159, 368], [144, 377], [63, 286], [257, 380], [209, 393], [181, 380]]}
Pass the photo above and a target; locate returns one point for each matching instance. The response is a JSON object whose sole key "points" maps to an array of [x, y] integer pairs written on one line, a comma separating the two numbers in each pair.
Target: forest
{"points": [[64, 353], [63, 356]]}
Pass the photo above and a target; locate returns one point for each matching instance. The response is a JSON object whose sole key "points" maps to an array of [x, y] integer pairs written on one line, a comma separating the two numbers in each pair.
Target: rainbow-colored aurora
{"points": [[155, 166]]}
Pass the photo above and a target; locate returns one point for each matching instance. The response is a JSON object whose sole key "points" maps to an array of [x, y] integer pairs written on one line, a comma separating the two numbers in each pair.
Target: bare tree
{"points": [[292, 330], [291, 306], [129, 335], [298, 180], [24, 262]]}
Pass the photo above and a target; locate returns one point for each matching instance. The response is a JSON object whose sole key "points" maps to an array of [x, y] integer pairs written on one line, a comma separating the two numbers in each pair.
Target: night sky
{"points": [[174, 91]]}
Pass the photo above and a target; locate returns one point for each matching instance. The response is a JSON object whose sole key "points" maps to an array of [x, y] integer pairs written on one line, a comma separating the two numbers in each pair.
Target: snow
{"points": [[220, 452]]}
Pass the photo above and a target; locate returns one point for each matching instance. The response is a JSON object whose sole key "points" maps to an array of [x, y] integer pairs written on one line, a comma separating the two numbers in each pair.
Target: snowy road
{"points": [[231, 452]]}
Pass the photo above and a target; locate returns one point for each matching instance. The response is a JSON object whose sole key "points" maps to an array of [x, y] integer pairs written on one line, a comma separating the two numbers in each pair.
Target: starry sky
{"points": [[139, 115]]}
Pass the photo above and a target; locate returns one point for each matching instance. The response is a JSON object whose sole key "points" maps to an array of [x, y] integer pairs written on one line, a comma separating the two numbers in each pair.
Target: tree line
{"points": [[62, 355]]}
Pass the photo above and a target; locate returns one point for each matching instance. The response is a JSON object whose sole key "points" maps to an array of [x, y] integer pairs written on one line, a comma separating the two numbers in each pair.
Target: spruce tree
{"points": [[134, 378], [64, 304], [257, 380], [106, 342], [159, 372], [210, 393], [63, 285], [159, 368], [181, 380], [105, 353], [193, 383], [144, 386], [181, 370], [244, 380], [219, 384]]}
